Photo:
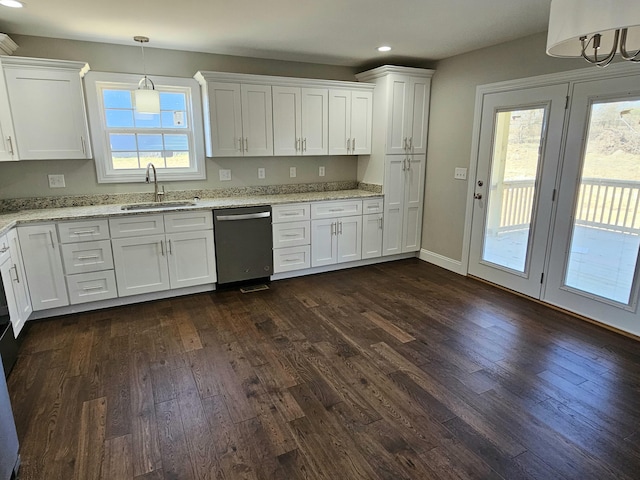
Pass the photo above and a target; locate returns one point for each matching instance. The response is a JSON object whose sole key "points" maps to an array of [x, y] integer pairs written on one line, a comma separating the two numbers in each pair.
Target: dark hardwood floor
{"points": [[395, 371]]}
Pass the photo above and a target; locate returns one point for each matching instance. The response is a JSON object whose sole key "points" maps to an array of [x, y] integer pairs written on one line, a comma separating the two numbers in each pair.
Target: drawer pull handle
{"points": [[290, 235], [4, 249], [88, 257], [87, 289], [289, 214], [336, 209], [84, 232]]}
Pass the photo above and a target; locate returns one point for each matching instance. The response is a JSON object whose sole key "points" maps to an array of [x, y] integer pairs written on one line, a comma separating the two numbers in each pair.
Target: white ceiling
{"points": [[338, 32]]}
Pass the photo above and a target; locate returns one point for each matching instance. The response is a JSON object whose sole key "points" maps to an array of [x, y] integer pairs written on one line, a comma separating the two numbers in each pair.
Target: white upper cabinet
{"points": [[256, 115], [8, 151], [240, 119], [48, 114], [300, 121], [350, 120], [407, 122]]}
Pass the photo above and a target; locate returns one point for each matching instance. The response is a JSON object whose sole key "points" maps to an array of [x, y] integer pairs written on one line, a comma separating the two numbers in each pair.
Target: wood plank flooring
{"points": [[395, 371]]}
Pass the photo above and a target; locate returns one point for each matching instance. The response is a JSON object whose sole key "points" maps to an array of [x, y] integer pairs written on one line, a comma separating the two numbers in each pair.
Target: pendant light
{"points": [[146, 97], [594, 30]]}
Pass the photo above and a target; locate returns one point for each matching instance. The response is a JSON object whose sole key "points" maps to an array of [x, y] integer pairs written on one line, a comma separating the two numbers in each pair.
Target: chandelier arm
{"points": [[635, 57], [143, 83], [602, 62]]}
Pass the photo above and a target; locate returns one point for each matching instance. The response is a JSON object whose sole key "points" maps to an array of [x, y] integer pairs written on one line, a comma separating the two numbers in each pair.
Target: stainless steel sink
{"points": [[157, 205]]}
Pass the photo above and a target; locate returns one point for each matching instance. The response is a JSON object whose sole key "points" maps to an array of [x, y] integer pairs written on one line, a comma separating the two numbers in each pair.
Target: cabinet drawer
{"points": [[291, 258], [5, 251], [87, 257], [136, 226], [372, 205], [90, 287], [188, 221], [83, 231], [291, 234], [291, 212], [343, 208]]}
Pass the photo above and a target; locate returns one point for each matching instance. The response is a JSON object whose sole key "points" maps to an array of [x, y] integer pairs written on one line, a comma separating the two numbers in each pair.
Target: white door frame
{"points": [[571, 77]]}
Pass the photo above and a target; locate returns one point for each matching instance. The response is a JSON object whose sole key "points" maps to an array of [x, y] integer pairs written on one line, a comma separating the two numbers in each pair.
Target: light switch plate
{"points": [[292, 172], [460, 173], [225, 175], [321, 171], [262, 173], [56, 181]]}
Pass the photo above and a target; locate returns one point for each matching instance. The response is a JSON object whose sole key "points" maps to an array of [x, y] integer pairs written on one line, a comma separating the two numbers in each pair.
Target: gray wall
{"points": [[451, 128], [29, 178]]}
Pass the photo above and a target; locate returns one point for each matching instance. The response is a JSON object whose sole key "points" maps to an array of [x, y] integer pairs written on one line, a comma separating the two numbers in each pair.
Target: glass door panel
{"points": [[605, 233], [517, 144]]}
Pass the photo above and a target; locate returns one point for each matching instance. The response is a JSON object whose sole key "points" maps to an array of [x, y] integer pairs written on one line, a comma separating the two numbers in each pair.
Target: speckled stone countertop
{"points": [[12, 219]]}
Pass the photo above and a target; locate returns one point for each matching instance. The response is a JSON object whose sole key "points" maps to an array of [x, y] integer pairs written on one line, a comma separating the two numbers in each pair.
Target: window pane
{"points": [[606, 230], [176, 142], [117, 98], [172, 101], [514, 169], [125, 160], [174, 119], [122, 142], [152, 157], [147, 120], [178, 159], [150, 142], [119, 118]]}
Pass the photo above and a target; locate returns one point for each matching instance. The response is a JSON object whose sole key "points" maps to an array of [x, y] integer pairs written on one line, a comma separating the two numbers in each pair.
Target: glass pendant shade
{"points": [[147, 100], [570, 20]]}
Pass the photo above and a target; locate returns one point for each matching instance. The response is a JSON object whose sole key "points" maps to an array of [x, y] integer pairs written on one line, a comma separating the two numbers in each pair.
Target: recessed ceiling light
{"points": [[11, 3], [384, 48]]}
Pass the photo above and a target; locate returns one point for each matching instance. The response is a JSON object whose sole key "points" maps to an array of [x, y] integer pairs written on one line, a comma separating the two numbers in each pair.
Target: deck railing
{"points": [[606, 204]]}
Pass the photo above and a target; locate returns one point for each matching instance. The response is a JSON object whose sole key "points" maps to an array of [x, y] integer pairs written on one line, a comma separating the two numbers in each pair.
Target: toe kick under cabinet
{"points": [[87, 260]]}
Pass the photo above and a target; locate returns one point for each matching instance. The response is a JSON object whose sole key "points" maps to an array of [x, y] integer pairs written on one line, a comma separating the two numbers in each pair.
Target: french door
{"points": [[566, 232], [519, 151], [593, 263]]}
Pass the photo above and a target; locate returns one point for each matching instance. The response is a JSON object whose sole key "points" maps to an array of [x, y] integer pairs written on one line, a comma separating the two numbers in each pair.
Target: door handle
{"points": [[10, 145], [348, 144], [240, 148], [169, 245], [246, 144], [353, 144], [478, 196], [17, 279], [51, 238], [162, 247], [245, 216], [304, 145]]}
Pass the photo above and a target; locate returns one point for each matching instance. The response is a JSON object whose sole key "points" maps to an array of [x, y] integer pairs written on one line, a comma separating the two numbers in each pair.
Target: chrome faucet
{"points": [[157, 196]]}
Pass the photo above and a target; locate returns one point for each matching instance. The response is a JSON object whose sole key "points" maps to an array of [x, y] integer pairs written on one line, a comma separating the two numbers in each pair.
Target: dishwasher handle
{"points": [[243, 216]]}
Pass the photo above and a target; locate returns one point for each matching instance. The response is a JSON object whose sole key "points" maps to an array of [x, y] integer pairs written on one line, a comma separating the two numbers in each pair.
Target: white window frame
{"points": [[95, 82]]}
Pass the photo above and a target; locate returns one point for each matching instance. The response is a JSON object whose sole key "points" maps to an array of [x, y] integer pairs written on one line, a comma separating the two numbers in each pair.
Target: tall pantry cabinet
{"points": [[398, 156]]}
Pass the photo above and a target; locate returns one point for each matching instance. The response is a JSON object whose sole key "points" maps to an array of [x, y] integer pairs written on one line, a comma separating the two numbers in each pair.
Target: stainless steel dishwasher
{"points": [[244, 244]]}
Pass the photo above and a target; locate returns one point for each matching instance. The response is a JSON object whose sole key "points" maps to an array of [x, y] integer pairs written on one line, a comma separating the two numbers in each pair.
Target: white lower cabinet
{"points": [[91, 287], [153, 263], [140, 265], [372, 235], [336, 240], [15, 282], [291, 237], [43, 266]]}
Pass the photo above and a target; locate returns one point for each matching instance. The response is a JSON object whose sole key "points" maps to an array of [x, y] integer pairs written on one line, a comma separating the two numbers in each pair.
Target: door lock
{"points": [[478, 196], [480, 183]]}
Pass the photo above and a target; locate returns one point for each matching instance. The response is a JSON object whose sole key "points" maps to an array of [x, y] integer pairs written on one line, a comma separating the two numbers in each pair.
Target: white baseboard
{"points": [[442, 261]]}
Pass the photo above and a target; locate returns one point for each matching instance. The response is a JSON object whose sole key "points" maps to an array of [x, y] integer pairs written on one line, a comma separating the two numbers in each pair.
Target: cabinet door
{"points": [[225, 113], [372, 235], [191, 257], [257, 120], [349, 239], [339, 121], [48, 112], [8, 150], [315, 121], [140, 264], [324, 247], [6, 274], [398, 130], [287, 121], [361, 118], [43, 266], [394, 180], [419, 96], [413, 203], [20, 287]]}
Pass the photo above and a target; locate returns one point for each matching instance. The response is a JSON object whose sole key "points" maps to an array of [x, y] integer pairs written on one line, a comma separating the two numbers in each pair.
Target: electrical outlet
{"points": [[292, 172], [460, 173], [225, 175], [262, 173], [56, 181], [321, 171]]}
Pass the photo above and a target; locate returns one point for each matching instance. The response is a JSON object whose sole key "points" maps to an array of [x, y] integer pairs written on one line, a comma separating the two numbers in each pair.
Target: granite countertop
{"points": [[12, 219]]}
